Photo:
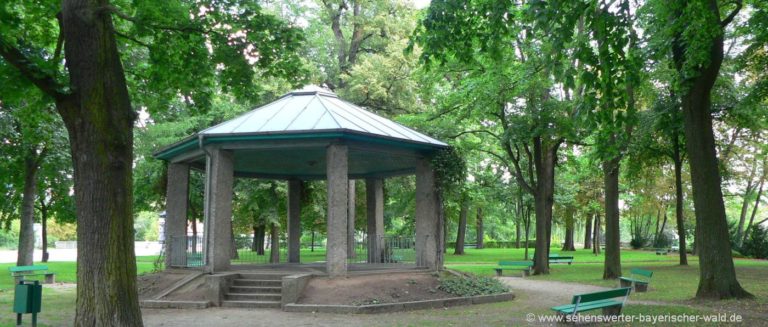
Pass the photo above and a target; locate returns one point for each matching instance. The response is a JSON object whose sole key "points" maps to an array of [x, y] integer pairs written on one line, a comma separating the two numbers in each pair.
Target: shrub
{"points": [[471, 286], [756, 244], [638, 242]]}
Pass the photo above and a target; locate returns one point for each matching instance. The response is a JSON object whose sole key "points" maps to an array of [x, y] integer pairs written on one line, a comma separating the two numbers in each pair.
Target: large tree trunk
{"points": [[544, 198], [193, 223], [462, 230], [479, 228], [679, 199], [99, 119], [569, 231], [588, 233], [612, 268], [26, 250], [717, 276]]}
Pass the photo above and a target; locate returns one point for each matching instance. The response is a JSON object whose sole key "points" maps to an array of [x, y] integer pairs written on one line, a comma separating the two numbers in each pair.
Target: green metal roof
{"points": [[287, 139]]}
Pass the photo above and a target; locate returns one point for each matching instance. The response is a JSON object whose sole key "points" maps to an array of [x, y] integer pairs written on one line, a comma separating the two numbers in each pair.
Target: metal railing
{"points": [[186, 251]]}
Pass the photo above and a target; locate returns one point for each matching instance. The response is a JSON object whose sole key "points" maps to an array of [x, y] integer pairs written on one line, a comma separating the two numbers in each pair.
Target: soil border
{"points": [[399, 306]]}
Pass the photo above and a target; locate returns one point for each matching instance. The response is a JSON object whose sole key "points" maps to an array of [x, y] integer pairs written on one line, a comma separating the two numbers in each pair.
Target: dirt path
{"points": [[547, 294]]}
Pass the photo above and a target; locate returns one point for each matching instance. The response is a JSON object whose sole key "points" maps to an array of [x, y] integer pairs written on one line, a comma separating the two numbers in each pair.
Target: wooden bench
{"points": [[638, 278], [662, 251], [525, 266], [605, 300], [21, 272], [557, 258]]}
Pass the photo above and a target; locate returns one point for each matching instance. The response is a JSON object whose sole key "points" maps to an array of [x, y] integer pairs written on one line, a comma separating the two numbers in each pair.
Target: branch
{"points": [[476, 132], [131, 39], [30, 71], [733, 13]]}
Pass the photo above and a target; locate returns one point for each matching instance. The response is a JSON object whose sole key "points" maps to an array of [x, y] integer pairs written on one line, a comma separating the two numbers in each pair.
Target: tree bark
{"points": [[569, 231], [596, 236], [274, 250], [99, 118], [717, 276], [661, 230], [588, 233], [261, 231], [546, 158], [479, 228], [612, 268], [193, 222], [462, 230], [44, 223], [527, 229], [745, 204], [757, 204], [679, 199], [26, 250]]}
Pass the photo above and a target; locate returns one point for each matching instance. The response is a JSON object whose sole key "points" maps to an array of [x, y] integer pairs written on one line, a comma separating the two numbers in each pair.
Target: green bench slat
{"points": [[516, 263], [641, 272], [634, 280], [568, 308], [27, 268]]}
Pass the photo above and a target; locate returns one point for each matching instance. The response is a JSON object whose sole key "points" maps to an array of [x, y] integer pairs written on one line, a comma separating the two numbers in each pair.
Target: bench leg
{"points": [[498, 272], [50, 278], [641, 287]]}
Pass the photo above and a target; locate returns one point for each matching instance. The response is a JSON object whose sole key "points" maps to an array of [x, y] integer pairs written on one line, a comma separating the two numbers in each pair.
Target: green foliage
{"points": [[756, 244], [472, 285], [146, 226], [450, 169]]}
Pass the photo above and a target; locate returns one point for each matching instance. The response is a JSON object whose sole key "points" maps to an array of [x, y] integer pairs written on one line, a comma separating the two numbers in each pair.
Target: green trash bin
{"points": [[28, 298]]}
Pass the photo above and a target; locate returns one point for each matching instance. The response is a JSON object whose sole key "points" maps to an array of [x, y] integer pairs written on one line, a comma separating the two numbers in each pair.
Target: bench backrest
{"points": [[603, 295], [27, 268], [516, 263], [641, 272]]}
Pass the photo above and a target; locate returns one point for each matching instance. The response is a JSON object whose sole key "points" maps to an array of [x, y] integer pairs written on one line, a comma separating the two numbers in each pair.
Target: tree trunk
{"points": [[233, 255], [99, 119], [459, 249], [543, 201], [757, 204], [255, 242], [745, 205], [312, 246], [663, 225], [527, 230], [569, 231], [679, 200], [658, 221], [717, 276], [194, 234], [274, 251], [261, 231], [44, 223], [588, 233], [479, 228], [596, 236], [612, 234], [26, 250]]}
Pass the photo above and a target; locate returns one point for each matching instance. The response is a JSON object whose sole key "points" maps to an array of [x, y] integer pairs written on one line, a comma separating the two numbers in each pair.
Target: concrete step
{"points": [[257, 282], [261, 276], [250, 304], [253, 297], [255, 289]]}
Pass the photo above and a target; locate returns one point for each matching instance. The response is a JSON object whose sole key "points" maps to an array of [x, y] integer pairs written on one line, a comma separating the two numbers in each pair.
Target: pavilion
{"points": [[307, 134]]}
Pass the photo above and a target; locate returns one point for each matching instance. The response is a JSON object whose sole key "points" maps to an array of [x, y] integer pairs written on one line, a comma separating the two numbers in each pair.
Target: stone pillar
{"points": [[218, 212], [427, 226], [374, 198], [176, 205], [351, 220], [338, 191], [294, 220]]}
